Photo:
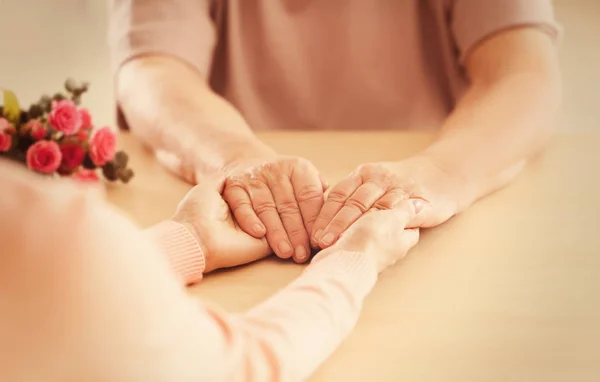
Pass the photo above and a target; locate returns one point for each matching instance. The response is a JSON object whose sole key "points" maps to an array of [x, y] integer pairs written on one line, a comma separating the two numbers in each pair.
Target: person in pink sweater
{"points": [[87, 296], [195, 79]]}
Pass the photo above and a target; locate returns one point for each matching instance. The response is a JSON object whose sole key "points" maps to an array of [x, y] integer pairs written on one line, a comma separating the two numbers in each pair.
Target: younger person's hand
{"points": [[381, 234], [208, 217]]}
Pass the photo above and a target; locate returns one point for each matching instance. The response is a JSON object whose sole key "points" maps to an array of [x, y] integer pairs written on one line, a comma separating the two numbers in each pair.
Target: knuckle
{"points": [[271, 167], [357, 204], [296, 232], [385, 204], [336, 196], [238, 203], [309, 193], [322, 219], [234, 181], [368, 168], [254, 183], [265, 207], [288, 207], [337, 225]]}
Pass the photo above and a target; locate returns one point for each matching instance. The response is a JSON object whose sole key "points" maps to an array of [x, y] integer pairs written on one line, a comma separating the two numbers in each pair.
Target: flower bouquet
{"points": [[58, 138]]}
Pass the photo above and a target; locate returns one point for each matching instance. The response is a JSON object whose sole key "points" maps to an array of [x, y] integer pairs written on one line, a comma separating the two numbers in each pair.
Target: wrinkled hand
{"points": [[279, 200], [384, 186], [381, 235], [204, 212]]}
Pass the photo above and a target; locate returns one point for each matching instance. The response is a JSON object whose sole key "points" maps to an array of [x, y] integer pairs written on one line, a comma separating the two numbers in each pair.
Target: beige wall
{"points": [[45, 41]]}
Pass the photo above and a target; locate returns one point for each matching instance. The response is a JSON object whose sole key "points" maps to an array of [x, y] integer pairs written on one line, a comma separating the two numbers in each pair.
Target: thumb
{"points": [[422, 211]]}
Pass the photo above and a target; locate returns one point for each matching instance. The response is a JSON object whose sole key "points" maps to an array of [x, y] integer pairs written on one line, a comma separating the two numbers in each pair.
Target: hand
{"points": [[279, 199], [384, 186], [208, 217], [381, 234]]}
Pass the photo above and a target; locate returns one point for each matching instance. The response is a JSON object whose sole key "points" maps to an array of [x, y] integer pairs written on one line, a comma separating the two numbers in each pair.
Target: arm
{"points": [[117, 312], [161, 54], [506, 116]]}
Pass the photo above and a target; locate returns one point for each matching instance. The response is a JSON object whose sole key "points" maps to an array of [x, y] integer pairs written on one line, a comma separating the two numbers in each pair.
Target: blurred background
{"points": [[45, 41]]}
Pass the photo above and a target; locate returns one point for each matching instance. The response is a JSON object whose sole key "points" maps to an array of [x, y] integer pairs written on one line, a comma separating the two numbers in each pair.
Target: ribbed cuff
{"points": [[181, 248], [360, 268]]}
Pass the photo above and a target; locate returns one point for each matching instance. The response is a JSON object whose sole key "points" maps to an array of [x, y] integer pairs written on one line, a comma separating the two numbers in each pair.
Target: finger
{"points": [[408, 239], [291, 217], [333, 204], [391, 199], [324, 183], [421, 214], [384, 222], [265, 207], [308, 190], [241, 206], [355, 206]]}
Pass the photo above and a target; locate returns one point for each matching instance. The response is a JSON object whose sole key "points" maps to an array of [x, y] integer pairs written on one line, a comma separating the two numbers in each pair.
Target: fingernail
{"points": [[318, 235], [328, 239], [285, 247], [301, 253], [258, 229], [419, 204]]}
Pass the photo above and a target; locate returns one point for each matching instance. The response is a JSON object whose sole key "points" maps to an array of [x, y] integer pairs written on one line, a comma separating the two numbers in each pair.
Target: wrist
{"points": [[257, 153], [462, 185], [237, 160]]}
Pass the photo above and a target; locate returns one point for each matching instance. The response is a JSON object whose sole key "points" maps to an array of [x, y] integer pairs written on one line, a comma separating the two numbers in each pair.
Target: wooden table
{"points": [[508, 291]]}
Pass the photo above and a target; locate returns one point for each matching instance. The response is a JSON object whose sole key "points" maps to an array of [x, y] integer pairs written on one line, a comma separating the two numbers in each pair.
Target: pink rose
{"points": [[65, 117], [72, 155], [103, 146], [44, 157], [86, 118], [36, 129], [84, 175], [5, 142]]}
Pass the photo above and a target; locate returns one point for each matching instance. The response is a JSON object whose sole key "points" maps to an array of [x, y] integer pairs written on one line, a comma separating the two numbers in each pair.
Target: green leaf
{"points": [[11, 108]]}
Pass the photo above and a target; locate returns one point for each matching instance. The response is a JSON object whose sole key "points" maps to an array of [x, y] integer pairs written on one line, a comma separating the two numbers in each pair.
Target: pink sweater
{"points": [[85, 288], [345, 65]]}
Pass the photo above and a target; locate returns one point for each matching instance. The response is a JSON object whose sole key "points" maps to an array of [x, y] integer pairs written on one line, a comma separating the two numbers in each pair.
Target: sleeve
{"points": [[472, 21], [180, 28], [184, 253], [130, 319]]}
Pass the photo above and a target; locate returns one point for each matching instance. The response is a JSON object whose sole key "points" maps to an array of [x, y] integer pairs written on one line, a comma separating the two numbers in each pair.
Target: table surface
{"points": [[507, 291]]}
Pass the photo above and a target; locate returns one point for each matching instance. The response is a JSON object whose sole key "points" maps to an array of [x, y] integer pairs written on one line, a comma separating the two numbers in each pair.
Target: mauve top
{"points": [[308, 64]]}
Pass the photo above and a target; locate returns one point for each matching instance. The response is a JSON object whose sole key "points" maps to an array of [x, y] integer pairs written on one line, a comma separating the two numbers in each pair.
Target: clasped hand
{"points": [[282, 206]]}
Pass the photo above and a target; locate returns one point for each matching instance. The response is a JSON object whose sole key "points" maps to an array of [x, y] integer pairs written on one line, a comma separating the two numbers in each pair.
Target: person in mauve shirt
{"points": [[196, 78], [87, 296]]}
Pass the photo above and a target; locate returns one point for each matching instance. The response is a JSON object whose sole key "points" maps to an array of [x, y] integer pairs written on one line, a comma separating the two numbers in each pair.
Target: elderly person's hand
{"points": [[206, 215], [279, 199], [385, 186]]}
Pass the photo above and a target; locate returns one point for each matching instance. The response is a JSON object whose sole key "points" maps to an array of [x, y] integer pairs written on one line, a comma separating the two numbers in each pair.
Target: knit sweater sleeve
{"points": [[286, 337]]}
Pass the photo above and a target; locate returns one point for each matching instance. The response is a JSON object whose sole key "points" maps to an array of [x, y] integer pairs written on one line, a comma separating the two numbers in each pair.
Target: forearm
{"points": [[299, 327], [123, 306], [170, 106], [289, 335], [495, 128]]}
